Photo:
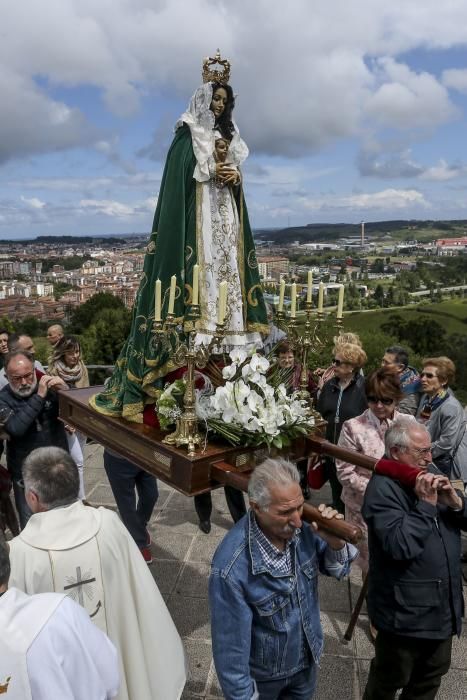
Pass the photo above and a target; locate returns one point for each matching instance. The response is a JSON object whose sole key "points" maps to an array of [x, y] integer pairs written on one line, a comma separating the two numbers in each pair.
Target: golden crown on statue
{"points": [[215, 75], [4, 687]]}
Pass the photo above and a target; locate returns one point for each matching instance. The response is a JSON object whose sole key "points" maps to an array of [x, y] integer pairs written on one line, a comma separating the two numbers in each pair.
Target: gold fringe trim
{"points": [[101, 409]]}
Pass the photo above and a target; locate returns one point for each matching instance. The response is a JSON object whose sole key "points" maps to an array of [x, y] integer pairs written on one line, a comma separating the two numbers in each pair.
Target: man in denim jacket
{"points": [[263, 591]]}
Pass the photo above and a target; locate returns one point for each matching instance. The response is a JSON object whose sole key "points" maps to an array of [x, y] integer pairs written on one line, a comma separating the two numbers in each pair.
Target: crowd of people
{"points": [[262, 588]]}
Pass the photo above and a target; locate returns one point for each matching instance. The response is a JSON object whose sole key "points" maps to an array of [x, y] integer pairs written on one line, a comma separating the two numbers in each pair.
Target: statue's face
{"points": [[219, 101]]}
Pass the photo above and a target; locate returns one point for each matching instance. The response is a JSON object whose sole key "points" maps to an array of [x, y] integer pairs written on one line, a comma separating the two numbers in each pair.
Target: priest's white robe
{"points": [[136, 619], [49, 649]]}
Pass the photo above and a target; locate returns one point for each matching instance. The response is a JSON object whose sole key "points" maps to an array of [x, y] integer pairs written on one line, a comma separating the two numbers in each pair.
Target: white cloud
{"points": [[406, 99], [305, 80], [389, 199], [34, 202], [34, 123], [444, 171], [455, 78], [107, 207]]}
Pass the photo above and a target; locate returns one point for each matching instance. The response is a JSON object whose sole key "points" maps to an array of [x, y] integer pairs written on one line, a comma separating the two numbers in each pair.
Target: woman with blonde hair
{"points": [[326, 374], [342, 397], [443, 416], [66, 363]]}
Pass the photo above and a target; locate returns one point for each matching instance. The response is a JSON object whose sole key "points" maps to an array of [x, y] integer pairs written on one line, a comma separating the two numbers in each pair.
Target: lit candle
{"points": [[157, 307], [340, 301], [281, 295], [195, 285], [222, 305], [173, 282], [293, 301], [320, 297], [310, 286]]}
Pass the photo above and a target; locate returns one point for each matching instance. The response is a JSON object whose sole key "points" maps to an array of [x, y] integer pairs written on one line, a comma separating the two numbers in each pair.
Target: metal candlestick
{"points": [[191, 356]]}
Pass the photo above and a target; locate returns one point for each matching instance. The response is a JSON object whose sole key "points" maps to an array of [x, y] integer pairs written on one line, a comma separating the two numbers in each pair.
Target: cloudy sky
{"points": [[351, 110]]}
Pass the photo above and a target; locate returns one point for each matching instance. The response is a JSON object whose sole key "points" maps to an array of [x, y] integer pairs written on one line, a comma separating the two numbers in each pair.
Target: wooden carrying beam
{"points": [[322, 447], [222, 472]]}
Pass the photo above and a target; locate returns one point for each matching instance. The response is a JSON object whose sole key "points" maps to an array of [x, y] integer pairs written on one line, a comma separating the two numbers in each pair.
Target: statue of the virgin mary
{"points": [[201, 218]]}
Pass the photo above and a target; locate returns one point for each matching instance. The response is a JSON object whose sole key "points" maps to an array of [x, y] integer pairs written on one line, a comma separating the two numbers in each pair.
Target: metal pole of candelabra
{"points": [[191, 356]]}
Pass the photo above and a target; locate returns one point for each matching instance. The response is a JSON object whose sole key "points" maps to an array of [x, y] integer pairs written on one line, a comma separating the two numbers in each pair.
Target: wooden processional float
{"points": [[212, 466]]}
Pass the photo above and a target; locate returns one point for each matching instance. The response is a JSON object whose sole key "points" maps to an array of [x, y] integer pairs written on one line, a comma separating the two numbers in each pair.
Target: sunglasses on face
{"points": [[379, 399], [428, 375]]}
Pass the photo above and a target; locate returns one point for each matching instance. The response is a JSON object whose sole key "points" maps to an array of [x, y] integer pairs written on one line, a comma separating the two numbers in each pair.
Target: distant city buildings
{"points": [[273, 267], [451, 246]]}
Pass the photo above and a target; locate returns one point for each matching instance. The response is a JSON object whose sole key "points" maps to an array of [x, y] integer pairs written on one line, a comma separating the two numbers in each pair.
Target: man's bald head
{"points": [[54, 334]]}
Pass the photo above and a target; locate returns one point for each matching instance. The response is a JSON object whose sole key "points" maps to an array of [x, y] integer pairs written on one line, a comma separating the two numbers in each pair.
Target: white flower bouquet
{"points": [[248, 410], [169, 403]]}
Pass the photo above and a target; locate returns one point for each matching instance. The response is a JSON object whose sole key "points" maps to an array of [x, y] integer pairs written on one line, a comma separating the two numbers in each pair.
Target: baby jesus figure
{"points": [[226, 173]]}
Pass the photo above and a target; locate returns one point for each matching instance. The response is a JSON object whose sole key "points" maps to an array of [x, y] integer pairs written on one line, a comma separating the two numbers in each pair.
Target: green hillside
{"points": [[451, 315]]}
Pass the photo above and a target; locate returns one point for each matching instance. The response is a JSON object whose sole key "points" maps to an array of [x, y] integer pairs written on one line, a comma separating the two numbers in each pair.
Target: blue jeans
{"points": [[300, 686], [126, 480]]}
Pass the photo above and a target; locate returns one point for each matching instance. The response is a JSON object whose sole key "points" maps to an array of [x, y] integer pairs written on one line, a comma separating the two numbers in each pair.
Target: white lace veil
{"points": [[200, 121]]}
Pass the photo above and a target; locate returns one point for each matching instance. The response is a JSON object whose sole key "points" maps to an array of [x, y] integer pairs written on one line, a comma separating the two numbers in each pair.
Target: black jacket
{"points": [[415, 582], [352, 404], [32, 423]]}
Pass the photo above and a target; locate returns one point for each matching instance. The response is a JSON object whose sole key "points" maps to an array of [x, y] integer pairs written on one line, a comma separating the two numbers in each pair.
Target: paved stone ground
{"points": [[182, 555]]}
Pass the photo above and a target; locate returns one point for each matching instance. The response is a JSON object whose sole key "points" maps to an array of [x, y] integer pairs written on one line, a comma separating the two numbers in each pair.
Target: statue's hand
{"points": [[227, 175]]}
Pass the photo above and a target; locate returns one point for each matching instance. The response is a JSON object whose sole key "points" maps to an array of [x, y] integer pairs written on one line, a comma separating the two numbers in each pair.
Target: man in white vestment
{"points": [[49, 648], [88, 554]]}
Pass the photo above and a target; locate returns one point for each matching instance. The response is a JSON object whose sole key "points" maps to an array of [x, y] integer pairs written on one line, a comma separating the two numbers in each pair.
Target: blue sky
{"points": [[351, 111]]}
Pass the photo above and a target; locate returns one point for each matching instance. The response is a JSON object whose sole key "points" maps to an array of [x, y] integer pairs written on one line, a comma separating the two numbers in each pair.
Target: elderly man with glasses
{"points": [[414, 518], [30, 404]]}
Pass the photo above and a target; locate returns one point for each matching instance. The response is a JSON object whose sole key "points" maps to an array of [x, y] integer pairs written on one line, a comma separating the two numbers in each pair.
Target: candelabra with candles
{"points": [[307, 339], [188, 354]]}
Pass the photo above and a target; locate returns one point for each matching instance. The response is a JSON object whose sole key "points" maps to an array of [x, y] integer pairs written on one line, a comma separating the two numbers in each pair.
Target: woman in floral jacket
{"points": [[365, 434]]}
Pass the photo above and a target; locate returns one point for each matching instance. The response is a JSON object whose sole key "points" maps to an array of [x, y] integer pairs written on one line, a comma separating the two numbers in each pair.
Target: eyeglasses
{"points": [[428, 375], [419, 451], [27, 377], [336, 362], [379, 399]]}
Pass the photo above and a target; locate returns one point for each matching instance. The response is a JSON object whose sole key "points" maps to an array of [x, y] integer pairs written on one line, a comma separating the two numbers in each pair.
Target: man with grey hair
{"points": [[33, 629], [88, 554], [26, 344], [414, 518], [30, 402], [263, 591]]}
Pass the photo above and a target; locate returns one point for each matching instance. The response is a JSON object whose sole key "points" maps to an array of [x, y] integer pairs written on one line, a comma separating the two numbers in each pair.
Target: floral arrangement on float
{"points": [[249, 407]]}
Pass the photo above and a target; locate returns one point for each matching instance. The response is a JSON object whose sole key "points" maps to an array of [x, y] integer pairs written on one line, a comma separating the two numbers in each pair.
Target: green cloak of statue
{"points": [[175, 246]]}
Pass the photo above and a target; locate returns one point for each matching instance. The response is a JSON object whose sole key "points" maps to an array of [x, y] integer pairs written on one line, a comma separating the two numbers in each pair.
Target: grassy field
{"points": [[451, 315]]}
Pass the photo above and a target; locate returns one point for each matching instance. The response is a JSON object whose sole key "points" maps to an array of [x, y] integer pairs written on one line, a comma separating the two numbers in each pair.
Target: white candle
{"points": [[293, 301], [195, 285], [340, 301], [173, 282], [281, 295], [310, 286], [320, 297], [157, 307], [222, 304]]}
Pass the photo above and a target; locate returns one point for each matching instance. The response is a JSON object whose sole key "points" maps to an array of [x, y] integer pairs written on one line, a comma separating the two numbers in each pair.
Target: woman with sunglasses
{"points": [[365, 434], [444, 417], [338, 340], [342, 397]]}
